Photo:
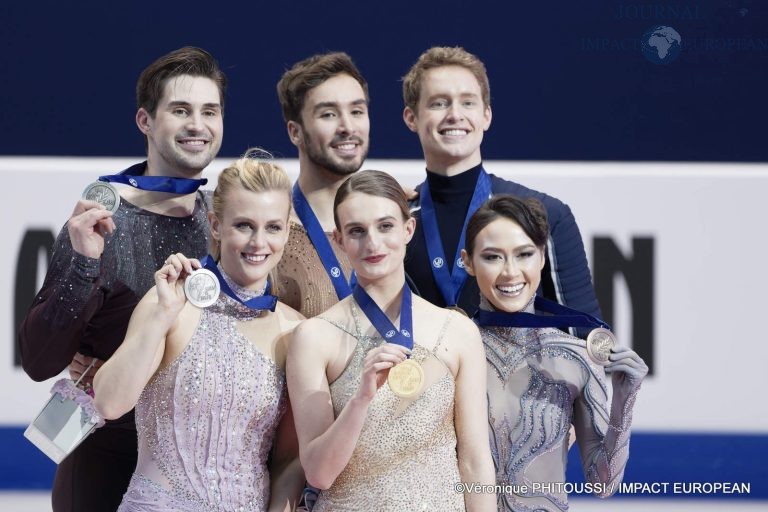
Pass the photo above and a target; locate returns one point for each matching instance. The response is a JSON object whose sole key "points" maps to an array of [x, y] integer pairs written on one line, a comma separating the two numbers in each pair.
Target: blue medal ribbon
{"points": [[560, 316], [402, 336], [265, 301], [322, 246], [449, 284], [155, 183]]}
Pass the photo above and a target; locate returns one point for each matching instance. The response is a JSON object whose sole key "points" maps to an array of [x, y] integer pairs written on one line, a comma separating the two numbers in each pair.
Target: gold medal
{"points": [[599, 344], [406, 379]]}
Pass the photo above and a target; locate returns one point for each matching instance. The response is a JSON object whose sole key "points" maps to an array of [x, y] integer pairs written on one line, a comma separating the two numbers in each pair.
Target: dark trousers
{"points": [[95, 476]]}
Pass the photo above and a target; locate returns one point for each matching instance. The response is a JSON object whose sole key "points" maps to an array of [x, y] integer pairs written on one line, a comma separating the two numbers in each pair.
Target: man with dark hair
{"points": [[448, 104], [324, 100], [104, 262]]}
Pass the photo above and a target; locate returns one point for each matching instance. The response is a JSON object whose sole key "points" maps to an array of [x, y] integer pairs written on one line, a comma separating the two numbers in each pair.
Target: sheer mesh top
{"points": [[302, 281], [540, 380]]}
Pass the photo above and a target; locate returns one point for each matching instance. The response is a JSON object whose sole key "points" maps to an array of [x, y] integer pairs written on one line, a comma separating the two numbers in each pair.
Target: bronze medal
{"points": [[406, 379], [599, 344]]}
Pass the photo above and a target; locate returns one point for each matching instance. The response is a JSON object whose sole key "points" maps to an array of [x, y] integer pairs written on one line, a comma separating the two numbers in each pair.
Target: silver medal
{"points": [[599, 344], [202, 288], [103, 193]]}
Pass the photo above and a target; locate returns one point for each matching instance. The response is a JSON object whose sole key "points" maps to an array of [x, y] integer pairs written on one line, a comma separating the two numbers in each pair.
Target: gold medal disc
{"points": [[406, 379], [599, 344]]}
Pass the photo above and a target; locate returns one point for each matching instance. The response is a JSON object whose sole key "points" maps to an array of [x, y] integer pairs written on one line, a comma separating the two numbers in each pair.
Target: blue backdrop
{"points": [[569, 80]]}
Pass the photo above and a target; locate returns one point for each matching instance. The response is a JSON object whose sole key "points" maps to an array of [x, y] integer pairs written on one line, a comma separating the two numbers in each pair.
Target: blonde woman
{"points": [[208, 384]]}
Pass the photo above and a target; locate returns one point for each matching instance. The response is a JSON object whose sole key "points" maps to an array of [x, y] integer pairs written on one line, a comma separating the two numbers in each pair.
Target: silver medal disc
{"points": [[202, 288], [599, 344], [103, 193]]}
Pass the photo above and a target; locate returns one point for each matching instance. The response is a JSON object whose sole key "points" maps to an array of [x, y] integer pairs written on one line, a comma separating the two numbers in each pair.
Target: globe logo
{"points": [[133, 182], [335, 272], [406, 333], [389, 334], [661, 45], [437, 262], [460, 263]]}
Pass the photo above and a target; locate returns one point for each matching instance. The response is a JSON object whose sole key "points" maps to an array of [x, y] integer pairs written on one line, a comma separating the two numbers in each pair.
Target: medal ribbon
{"points": [[450, 284], [560, 316], [381, 323], [156, 183], [322, 246], [265, 301]]}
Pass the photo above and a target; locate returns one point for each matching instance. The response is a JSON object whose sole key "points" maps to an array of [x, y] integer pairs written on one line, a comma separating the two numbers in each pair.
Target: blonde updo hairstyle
{"points": [[255, 172]]}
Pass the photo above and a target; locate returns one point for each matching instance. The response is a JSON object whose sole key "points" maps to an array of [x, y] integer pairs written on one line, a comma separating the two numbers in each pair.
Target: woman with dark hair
{"points": [[388, 390], [540, 379]]}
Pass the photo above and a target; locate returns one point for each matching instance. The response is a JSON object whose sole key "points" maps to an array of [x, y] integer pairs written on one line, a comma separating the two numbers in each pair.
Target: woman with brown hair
{"points": [[540, 379], [388, 390]]}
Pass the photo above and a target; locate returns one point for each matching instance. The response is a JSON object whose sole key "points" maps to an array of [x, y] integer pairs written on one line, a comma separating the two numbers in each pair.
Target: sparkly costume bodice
{"points": [[85, 303], [206, 422], [302, 281], [405, 458], [540, 380]]}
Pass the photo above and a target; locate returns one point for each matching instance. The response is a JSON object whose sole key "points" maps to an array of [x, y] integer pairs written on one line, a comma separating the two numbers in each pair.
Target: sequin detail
{"points": [[228, 306], [403, 460], [207, 421], [302, 281], [139, 245], [540, 380]]}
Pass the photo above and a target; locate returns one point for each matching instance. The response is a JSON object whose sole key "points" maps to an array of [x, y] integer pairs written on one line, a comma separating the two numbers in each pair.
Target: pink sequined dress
{"points": [[207, 421]]}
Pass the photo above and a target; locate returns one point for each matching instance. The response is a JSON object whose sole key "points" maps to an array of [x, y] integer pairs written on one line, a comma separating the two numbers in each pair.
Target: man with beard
{"points": [[324, 99], [104, 262]]}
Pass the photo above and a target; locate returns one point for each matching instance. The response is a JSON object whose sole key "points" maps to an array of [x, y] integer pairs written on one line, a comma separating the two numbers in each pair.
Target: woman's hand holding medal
{"points": [[406, 377], [376, 366], [626, 367], [169, 281]]}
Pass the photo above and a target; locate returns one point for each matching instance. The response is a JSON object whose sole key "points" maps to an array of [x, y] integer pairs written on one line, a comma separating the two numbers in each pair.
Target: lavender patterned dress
{"points": [[540, 381], [207, 421]]}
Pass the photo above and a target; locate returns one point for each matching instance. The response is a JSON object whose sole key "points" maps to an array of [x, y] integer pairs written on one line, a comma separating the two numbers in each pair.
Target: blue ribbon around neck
{"points": [[449, 284], [156, 183], [383, 325], [322, 245], [560, 316], [265, 301]]}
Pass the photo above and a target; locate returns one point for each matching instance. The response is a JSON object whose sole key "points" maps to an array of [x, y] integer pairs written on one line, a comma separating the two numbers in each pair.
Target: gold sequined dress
{"points": [[405, 458]]}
